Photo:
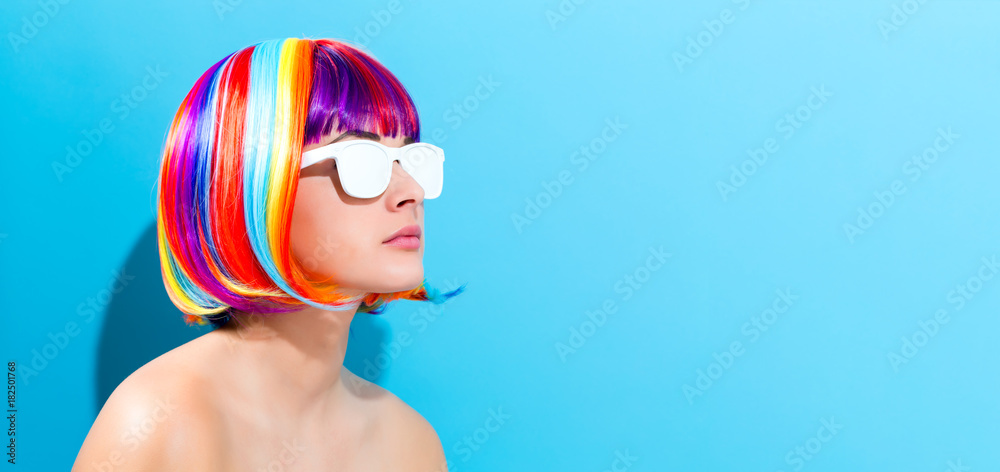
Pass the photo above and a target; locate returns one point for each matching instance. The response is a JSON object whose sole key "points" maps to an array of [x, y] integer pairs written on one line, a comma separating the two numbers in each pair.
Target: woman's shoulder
{"points": [[386, 406], [161, 417], [404, 429]]}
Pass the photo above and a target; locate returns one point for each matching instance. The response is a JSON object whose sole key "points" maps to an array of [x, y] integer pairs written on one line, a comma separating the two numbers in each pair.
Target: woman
{"points": [[291, 197]]}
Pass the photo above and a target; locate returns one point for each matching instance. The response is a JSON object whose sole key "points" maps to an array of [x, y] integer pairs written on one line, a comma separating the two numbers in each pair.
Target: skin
{"points": [[272, 392]]}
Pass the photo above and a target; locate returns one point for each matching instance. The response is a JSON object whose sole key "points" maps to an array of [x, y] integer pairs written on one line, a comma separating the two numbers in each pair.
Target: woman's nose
{"points": [[403, 186]]}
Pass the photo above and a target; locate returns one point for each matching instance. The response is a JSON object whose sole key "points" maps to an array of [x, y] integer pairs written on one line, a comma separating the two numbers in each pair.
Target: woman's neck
{"points": [[294, 359]]}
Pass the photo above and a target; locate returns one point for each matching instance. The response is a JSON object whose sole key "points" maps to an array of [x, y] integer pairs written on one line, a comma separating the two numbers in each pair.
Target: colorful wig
{"points": [[230, 171]]}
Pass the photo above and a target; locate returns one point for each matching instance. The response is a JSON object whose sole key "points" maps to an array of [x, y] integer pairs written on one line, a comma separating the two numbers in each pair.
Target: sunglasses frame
{"points": [[392, 154]]}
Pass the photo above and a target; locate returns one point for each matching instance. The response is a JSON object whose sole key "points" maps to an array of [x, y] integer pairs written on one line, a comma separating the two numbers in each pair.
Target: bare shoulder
{"points": [[420, 439], [159, 418], [416, 439], [414, 443]]}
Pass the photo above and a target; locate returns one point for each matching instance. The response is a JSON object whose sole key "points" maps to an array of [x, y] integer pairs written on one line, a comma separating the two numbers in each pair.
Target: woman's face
{"points": [[339, 236]]}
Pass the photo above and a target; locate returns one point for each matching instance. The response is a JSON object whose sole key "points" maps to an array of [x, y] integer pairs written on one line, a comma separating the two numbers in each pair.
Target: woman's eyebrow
{"points": [[367, 135]]}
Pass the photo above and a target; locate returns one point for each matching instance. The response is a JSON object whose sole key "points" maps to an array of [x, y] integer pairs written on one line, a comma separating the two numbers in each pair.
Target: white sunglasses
{"points": [[365, 166]]}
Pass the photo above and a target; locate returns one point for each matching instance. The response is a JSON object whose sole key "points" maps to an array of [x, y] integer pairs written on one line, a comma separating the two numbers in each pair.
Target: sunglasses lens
{"points": [[364, 170], [425, 164]]}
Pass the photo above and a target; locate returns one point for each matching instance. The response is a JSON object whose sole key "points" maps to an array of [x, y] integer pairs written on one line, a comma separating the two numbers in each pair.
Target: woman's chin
{"points": [[399, 283], [404, 287], [403, 278]]}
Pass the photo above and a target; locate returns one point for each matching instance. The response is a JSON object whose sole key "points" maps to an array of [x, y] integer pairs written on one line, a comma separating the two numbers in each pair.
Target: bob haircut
{"points": [[230, 171]]}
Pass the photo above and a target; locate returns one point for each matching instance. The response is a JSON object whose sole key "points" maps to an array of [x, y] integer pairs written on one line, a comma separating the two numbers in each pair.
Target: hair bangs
{"points": [[352, 91]]}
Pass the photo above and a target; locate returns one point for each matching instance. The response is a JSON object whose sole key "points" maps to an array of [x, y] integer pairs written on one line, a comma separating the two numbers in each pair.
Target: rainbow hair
{"points": [[230, 171]]}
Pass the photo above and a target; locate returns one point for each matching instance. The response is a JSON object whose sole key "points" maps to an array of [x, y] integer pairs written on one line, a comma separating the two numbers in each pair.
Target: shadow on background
{"points": [[141, 323]]}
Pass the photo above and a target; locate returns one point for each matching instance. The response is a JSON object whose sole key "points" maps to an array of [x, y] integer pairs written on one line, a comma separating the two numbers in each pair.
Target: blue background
{"points": [[654, 183]]}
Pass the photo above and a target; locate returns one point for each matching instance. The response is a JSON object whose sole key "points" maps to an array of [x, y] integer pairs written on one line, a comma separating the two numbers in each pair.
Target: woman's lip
{"points": [[411, 230], [405, 242]]}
